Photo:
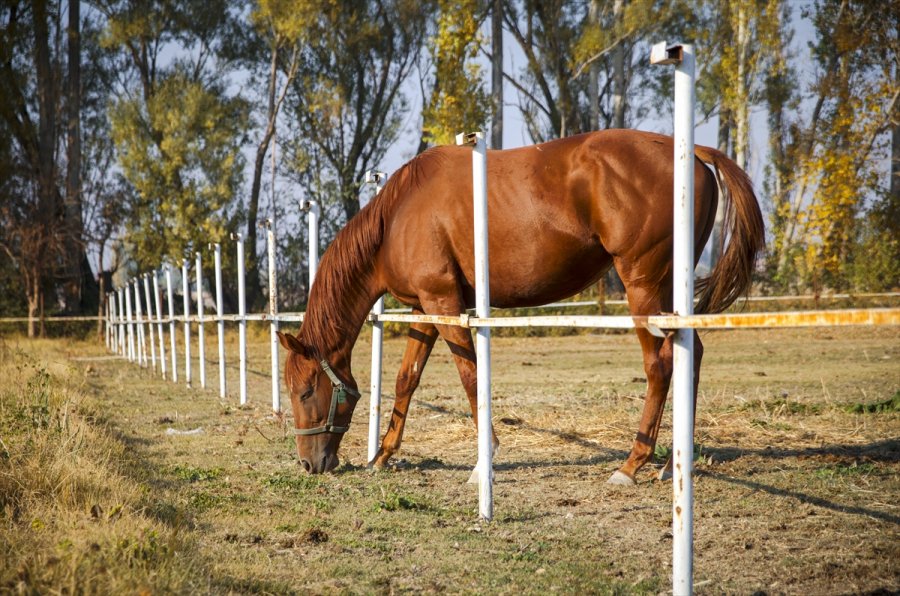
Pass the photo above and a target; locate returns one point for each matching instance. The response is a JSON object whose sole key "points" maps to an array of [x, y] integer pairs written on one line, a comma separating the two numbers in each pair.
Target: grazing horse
{"points": [[560, 215]]}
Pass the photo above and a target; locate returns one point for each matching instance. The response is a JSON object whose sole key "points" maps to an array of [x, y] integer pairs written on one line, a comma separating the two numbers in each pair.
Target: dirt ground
{"points": [[797, 476]]}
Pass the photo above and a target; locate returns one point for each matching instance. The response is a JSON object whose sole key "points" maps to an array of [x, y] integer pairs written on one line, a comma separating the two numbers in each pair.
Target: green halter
{"points": [[339, 393]]}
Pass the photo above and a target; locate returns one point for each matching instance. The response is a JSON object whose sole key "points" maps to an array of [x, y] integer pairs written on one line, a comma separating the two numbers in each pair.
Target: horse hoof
{"points": [[621, 478], [379, 462], [664, 474]]}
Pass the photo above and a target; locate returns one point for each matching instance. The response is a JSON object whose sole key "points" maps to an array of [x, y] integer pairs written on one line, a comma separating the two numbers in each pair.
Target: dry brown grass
{"points": [[796, 491], [76, 517]]}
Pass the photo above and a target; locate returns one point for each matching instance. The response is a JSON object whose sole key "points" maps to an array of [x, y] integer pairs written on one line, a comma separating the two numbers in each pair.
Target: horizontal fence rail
{"points": [[296, 317], [811, 318]]}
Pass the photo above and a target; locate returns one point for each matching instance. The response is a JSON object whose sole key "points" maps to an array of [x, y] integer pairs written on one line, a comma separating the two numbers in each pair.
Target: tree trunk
{"points": [[32, 292], [618, 59], [74, 226], [46, 91], [594, 75], [741, 110], [497, 74], [251, 279], [724, 135], [101, 309]]}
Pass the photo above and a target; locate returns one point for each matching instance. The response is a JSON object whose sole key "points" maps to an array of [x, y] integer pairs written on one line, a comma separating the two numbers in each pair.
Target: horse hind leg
{"points": [[421, 338], [657, 356], [666, 472], [658, 368]]}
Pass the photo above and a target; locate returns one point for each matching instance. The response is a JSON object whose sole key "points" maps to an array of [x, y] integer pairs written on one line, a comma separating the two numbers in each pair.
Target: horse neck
{"points": [[344, 317], [340, 301]]}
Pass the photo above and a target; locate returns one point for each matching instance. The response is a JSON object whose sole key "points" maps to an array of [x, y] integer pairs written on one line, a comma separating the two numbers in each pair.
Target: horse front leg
{"points": [[459, 340], [666, 472], [421, 338]]}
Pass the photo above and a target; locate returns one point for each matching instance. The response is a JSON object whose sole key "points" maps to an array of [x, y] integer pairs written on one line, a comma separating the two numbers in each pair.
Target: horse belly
{"points": [[545, 271]]}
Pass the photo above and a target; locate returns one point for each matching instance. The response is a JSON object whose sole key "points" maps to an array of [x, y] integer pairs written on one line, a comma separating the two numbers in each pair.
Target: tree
{"points": [[497, 74], [277, 31], [855, 101], [742, 39], [33, 217], [581, 65], [346, 101], [180, 151], [549, 94], [179, 138], [458, 101]]}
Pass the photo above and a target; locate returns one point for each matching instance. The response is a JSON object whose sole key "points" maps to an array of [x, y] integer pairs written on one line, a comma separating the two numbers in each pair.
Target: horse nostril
{"points": [[306, 465]]}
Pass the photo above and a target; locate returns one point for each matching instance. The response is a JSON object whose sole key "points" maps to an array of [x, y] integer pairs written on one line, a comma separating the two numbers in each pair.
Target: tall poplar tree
{"points": [[458, 101]]}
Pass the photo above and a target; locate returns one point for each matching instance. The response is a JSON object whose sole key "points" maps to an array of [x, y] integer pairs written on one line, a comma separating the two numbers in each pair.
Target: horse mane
{"points": [[349, 262]]}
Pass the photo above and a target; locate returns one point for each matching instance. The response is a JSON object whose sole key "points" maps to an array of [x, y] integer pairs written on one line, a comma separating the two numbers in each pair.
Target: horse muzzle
{"points": [[319, 465]]}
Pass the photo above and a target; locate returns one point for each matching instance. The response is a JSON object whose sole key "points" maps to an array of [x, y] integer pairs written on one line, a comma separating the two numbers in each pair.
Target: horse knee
{"points": [[406, 383]]}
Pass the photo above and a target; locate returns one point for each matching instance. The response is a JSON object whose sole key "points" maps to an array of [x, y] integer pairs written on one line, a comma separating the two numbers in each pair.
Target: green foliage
{"points": [[887, 406], [397, 502], [458, 100], [846, 470], [180, 150]]}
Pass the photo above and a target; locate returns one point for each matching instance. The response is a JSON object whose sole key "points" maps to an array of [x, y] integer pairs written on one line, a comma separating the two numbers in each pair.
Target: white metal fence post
{"points": [[108, 314], [123, 347], [273, 316], [201, 338], [171, 324], [220, 323], [139, 317], [159, 324], [482, 334], [683, 303], [312, 207], [376, 178], [132, 354], [242, 318], [146, 279], [114, 340], [186, 302]]}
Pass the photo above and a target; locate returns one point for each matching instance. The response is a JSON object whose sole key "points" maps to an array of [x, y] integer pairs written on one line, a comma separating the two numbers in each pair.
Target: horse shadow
{"points": [[600, 455], [886, 451]]}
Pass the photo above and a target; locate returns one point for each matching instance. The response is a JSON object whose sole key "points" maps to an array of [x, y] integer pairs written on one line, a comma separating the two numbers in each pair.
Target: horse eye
{"points": [[306, 394]]}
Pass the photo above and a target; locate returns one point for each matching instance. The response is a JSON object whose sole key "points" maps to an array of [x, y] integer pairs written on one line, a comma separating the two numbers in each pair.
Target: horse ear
{"points": [[290, 342]]}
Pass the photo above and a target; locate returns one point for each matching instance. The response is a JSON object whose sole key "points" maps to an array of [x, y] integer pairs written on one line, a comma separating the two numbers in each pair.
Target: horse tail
{"points": [[743, 224]]}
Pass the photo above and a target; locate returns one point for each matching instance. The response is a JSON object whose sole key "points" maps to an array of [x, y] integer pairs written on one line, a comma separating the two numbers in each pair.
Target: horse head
{"points": [[323, 401]]}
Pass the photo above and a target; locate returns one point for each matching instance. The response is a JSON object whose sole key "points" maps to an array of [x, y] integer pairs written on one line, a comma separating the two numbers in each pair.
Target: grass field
{"points": [[103, 489]]}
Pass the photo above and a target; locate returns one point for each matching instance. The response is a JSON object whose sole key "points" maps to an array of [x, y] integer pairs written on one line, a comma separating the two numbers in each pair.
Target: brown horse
{"points": [[560, 215]]}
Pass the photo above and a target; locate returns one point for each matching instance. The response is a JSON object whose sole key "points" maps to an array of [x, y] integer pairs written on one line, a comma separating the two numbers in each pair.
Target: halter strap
{"points": [[339, 393]]}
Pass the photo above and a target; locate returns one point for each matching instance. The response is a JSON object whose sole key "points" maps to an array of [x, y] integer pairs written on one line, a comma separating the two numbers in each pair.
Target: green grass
{"points": [[882, 407]]}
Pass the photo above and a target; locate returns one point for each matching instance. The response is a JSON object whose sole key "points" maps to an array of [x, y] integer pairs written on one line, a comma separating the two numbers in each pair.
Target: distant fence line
{"points": [[295, 317]]}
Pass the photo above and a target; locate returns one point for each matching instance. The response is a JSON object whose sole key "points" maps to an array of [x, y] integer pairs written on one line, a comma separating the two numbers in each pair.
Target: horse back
{"points": [[558, 214]]}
